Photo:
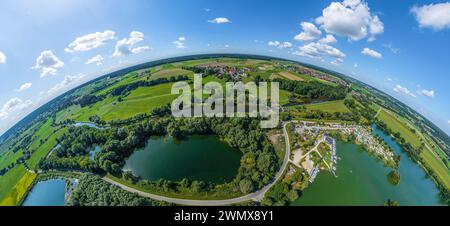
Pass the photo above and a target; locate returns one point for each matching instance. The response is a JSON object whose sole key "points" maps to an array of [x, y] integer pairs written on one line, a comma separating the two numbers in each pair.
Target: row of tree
{"points": [[314, 89]]}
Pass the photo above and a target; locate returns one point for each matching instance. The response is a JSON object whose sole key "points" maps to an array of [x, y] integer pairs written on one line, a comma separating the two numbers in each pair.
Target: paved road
{"points": [[256, 196]]}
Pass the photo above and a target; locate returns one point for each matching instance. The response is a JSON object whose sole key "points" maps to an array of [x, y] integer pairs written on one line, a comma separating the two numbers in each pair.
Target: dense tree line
{"points": [[93, 191], [287, 189], [86, 100], [313, 89], [303, 112]]}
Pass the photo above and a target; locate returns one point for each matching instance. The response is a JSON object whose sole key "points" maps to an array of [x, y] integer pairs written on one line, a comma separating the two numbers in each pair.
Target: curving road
{"points": [[256, 196]]}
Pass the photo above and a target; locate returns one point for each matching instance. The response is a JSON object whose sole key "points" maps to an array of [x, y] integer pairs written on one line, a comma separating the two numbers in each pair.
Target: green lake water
{"points": [[203, 158], [47, 193], [362, 180]]}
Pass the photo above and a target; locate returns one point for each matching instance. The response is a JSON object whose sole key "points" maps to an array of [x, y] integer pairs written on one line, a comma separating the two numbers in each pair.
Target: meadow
{"points": [[398, 127], [329, 106]]}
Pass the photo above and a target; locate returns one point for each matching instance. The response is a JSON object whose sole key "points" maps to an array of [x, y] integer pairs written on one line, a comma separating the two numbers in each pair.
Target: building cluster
{"points": [[224, 70], [363, 135]]}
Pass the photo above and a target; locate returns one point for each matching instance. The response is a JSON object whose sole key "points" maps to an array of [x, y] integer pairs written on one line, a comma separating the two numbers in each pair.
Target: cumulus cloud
{"points": [[126, 45], [48, 63], [97, 60], [403, 90], [310, 32], [68, 81], [281, 45], [328, 39], [428, 93], [372, 53], [434, 16], [220, 20], [337, 62], [318, 50], [2, 58], [179, 43], [12, 105], [351, 19], [90, 41], [24, 87]]}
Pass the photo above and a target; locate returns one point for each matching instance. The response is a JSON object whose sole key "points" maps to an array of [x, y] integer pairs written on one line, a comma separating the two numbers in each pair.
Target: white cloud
{"points": [[68, 81], [2, 58], [310, 32], [24, 87], [448, 121], [12, 105], [126, 45], [90, 41], [220, 20], [98, 60], [434, 16], [48, 63], [318, 50], [389, 80], [140, 49], [337, 62], [371, 53], [281, 45], [355, 65], [179, 43], [351, 19], [403, 90], [428, 93], [328, 39]]}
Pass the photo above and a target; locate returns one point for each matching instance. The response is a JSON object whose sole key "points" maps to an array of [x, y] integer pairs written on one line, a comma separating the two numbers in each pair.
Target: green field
{"points": [[66, 113], [438, 167], [330, 106], [14, 184], [170, 73], [398, 127], [45, 148], [9, 158]]}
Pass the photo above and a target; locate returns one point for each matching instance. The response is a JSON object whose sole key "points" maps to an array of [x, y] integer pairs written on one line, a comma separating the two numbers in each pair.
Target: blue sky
{"points": [[400, 47]]}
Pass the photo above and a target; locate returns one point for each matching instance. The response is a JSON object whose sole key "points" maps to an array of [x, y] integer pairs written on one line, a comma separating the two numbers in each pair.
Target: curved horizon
{"points": [[173, 59]]}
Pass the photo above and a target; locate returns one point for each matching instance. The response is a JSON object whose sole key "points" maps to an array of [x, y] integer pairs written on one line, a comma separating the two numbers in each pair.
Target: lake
{"points": [[94, 151], [200, 157], [47, 193], [362, 180]]}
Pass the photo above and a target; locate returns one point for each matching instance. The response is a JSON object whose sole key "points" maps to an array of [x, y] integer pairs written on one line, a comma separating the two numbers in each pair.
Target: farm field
{"points": [[395, 125], [329, 106], [19, 191], [438, 166], [8, 189], [290, 76], [171, 73], [45, 148]]}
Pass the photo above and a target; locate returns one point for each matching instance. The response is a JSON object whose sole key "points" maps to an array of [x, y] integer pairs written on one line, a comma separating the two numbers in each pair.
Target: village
{"points": [[314, 148]]}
